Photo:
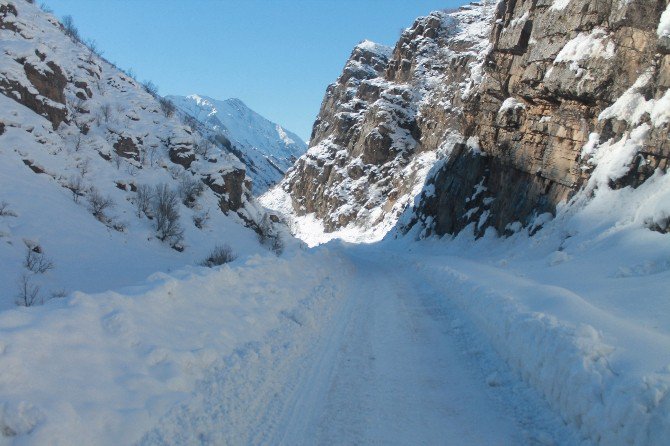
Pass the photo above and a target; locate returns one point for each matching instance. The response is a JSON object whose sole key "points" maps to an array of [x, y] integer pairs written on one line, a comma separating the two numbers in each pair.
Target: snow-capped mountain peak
{"points": [[266, 148]]}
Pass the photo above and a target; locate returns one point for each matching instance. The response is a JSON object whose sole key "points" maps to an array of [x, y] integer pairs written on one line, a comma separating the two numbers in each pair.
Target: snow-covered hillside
{"points": [[522, 300], [267, 149], [83, 148]]}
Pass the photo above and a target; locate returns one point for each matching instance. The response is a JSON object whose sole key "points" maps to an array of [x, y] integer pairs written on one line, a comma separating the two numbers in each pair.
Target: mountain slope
{"points": [[381, 127], [491, 116], [267, 149], [83, 147]]}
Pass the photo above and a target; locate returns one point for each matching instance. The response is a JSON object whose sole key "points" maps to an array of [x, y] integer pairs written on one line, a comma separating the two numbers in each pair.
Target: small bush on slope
{"points": [[220, 255]]}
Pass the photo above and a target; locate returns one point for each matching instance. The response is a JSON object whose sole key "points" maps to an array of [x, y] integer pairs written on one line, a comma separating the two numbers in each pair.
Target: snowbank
{"points": [[103, 369]]}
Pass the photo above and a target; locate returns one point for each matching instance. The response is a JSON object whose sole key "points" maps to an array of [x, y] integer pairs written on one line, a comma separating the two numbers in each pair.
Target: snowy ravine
{"points": [[464, 342], [267, 149]]}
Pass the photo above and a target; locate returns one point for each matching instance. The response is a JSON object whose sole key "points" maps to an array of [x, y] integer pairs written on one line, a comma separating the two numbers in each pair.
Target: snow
{"points": [[102, 369], [510, 104], [90, 255], [562, 337], [632, 105], [586, 46], [266, 148], [559, 5], [377, 48], [536, 332], [663, 29]]}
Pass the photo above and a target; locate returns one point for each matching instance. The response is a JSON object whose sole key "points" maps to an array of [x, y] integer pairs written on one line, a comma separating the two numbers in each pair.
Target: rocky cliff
{"points": [[491, 116], [574, 95], [383, 123]]}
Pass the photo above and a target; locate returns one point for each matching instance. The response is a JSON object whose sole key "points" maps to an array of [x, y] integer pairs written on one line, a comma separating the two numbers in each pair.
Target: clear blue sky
{"points": [[278, 56]]}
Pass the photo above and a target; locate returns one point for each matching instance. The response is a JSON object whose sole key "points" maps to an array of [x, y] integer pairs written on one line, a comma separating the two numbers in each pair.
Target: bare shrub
{"points": [[93, 50], [190, 189], [28, 294], [166, 213], [203, 148], [269, 236], [150, 88], [200, 219], [106, 111], [98, 204], [59, 294], [190, 121], [70, 29], [221, 254], [149, 154], [35, 261], [76, 186], [167, 107], [116, 158], [84, 167], [143, 199], [5, 211], [78, 138]]}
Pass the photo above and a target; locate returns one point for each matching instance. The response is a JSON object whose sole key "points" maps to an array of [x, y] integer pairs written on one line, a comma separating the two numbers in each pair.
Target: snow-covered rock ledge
{"points": [[608, 393]]}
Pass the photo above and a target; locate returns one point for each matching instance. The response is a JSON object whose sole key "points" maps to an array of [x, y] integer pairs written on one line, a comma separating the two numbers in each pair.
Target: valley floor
{"points": [[392, 364], [338, 345]]}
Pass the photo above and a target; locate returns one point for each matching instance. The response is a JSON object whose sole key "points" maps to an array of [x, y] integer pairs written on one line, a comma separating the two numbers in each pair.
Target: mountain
{"points": [[382, 126], [490, 116], [84, 148], [267, 149], [511, 156]]}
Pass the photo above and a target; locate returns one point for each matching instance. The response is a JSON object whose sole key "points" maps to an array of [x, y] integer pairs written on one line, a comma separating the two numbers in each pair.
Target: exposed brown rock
{"points": [[125, 147], [5, 20], [229, 185], [532, 154], [50, 85]]}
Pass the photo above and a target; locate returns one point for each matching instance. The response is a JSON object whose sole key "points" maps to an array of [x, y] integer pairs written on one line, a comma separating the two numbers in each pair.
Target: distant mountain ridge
{"points": [[266, 148]]}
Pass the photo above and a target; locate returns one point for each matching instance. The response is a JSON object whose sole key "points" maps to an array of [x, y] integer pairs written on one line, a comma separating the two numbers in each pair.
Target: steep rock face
{"points": [[566, 85], [383, 123], [265, 148]]}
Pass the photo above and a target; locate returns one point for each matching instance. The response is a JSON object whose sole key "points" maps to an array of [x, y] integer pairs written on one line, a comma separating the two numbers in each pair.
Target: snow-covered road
{"points": [[393, 373], [388, 363], [376, 344]]}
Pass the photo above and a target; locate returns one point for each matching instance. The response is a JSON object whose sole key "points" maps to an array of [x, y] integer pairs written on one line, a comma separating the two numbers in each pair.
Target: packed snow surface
{"points": [[527, 340]]}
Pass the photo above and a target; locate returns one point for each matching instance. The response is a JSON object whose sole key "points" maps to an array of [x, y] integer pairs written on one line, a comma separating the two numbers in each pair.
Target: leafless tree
{"points": [[143, 199], [166, 214], [76, 186], [106, 112], [70, 29], [150, 88], [167, 107], [35, 261], [28, 292], [98, 204]]}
